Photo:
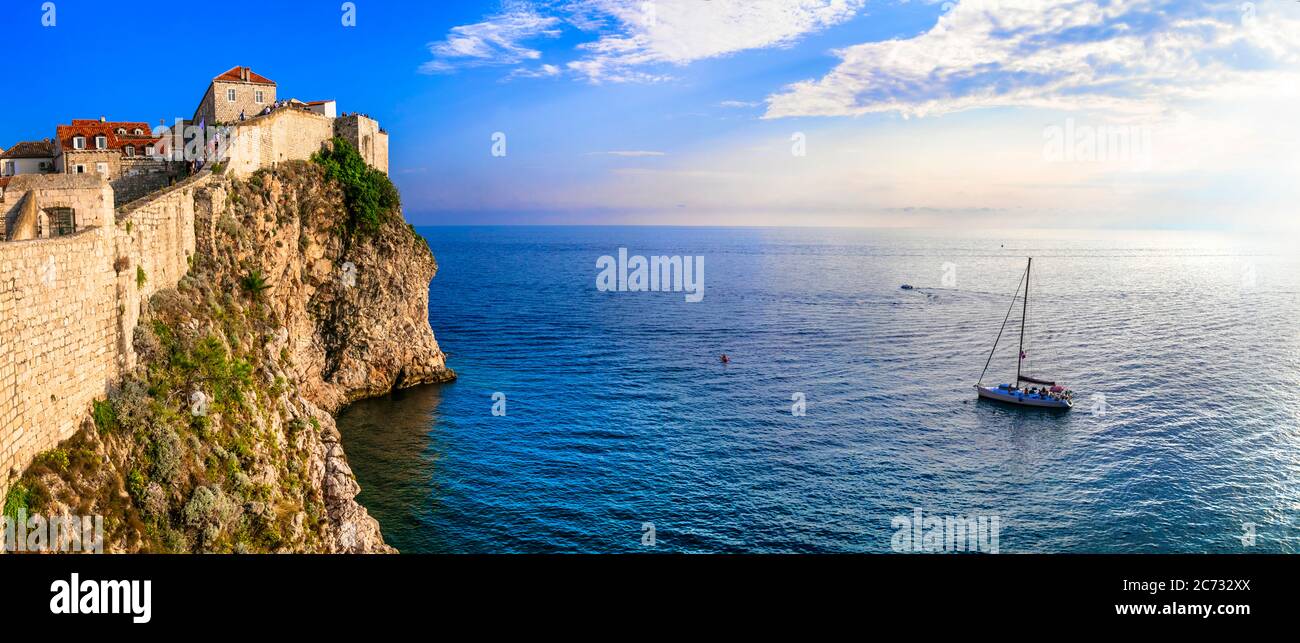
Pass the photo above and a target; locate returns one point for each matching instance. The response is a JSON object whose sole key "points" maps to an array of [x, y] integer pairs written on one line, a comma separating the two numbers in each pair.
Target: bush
{"points": [[56, 459], [135, 485], [140, 277], [369, 194], [16, 500], [104, 415], [254, 282]]}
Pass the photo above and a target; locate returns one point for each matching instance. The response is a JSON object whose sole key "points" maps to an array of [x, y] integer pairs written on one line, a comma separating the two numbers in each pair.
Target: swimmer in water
{"points": [[725, 359]]}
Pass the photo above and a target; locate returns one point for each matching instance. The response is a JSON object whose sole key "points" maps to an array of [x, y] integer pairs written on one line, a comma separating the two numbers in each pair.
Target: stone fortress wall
{"points": [[69, 304], [68, 309], [288, 134]]}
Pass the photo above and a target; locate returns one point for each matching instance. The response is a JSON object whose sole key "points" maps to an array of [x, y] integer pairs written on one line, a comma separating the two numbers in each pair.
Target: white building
{"points": [[323, 107], [28, 157]]}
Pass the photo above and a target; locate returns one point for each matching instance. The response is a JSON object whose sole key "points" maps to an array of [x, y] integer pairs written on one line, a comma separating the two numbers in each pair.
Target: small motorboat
{"points": [[906, 287], [1047, 394]]}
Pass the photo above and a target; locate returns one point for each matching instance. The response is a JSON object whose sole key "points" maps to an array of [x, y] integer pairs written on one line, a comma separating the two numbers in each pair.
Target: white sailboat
{"points": [[1047, 393]]}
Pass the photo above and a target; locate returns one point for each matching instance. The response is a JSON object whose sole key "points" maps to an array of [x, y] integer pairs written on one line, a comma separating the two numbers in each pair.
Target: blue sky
{"points": [[1144, 113]]}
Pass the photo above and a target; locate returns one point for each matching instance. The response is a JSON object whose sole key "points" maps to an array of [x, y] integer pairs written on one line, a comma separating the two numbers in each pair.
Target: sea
{"points": [[587, 419]]}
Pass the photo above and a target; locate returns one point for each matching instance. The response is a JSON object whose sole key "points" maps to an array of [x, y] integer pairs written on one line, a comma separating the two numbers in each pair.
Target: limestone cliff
{"points": [[221, 438]]}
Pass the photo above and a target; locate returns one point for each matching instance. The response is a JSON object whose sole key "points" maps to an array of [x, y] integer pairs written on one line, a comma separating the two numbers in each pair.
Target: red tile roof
{"points": [[236, 74], [30, 150], [92, 128]]}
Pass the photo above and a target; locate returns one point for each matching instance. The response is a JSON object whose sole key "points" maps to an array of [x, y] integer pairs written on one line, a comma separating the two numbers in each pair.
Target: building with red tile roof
{"points": [[28, 157], [102, 147], [238, 91]]}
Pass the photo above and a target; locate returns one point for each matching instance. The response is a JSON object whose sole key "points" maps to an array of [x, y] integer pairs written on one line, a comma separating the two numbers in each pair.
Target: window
{"points": [[79, 169], [148, 150], [78, 142], [230, 95], [45, 166], [101, 169], [8, 168], [101, 142], [258, 97], [130, 150], [139, 132], [62, 221], [121, 131]]}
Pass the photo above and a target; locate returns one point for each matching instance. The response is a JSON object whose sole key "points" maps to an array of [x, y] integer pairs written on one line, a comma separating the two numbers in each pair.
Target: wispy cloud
{"points": [[635, 40], [497, 40], [739, 104], [544, 71], [1131, 57], [651, 35]]}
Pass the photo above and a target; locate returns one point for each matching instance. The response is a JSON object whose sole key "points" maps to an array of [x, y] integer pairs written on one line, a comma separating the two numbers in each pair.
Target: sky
{"points": [[1047, 113]]}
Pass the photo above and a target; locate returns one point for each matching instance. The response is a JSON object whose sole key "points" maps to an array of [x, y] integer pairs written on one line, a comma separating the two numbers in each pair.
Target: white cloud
{"points": [[495, 41], [678, 32], [1132, 58], [635, 39], [544, 71], [738, 104]]}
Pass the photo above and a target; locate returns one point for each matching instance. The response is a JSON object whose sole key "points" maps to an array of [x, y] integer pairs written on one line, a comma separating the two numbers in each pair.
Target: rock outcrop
{"points": [[222, 438]]}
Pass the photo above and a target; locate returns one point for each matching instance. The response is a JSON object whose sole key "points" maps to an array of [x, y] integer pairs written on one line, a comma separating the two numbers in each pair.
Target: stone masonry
{"points": [[68, 309], [69, 304]]}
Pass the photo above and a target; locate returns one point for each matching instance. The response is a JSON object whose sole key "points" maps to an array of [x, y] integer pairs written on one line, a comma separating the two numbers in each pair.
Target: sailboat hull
{"points": [[1021, 399]]}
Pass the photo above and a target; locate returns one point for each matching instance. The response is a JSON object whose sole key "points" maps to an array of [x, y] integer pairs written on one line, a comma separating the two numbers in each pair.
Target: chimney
{"points": [[243, 74], [103, 120]]}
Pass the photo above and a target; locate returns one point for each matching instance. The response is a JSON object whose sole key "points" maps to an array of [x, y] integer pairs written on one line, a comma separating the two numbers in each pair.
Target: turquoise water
{"points": [[1181, 348]]}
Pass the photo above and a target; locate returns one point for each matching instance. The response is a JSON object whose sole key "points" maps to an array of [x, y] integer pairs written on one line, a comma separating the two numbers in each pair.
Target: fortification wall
{"points": [[69, 305], [142, 176], [89, 195], [68, 310], [58, 339], [364, 134], [282, 135]]}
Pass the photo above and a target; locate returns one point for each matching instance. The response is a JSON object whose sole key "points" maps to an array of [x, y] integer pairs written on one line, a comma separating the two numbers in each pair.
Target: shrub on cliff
{"points": [[369, 194]]}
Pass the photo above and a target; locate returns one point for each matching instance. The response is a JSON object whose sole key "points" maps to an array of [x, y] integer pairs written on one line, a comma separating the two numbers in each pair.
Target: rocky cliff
{"points": [[222, 438]]}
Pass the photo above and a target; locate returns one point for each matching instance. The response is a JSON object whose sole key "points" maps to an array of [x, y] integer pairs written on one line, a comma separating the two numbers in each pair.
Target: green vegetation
{"points": [[369, 194], [254, 283], [140, 277], [104, 415], [17, 500], [56, 459]]}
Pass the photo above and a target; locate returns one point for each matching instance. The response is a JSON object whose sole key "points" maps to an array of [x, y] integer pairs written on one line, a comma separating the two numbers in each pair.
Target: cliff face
{"points": [[222, 438]]}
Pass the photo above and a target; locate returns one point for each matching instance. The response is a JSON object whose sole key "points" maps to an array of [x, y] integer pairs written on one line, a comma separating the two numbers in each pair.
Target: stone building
{"points": [[121, 151], [101, 147], [40, 206], [237, 91]]}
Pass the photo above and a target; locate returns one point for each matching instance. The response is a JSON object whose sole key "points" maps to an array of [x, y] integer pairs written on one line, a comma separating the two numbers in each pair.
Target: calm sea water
{"points": [[1182, 349]]}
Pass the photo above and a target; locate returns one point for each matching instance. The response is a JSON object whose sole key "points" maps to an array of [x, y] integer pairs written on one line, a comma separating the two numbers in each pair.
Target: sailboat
{"points": [[1047, 393]]}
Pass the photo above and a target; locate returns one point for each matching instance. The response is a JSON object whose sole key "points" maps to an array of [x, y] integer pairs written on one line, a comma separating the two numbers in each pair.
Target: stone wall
{"points": [[89, 195], [141, 176], [283, 135], [68, 309], [364, 134], [69, 305], [59, 339]]}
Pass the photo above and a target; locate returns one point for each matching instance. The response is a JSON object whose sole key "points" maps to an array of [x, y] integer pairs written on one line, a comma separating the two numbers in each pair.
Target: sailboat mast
{"points": [[1024, 313]]}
